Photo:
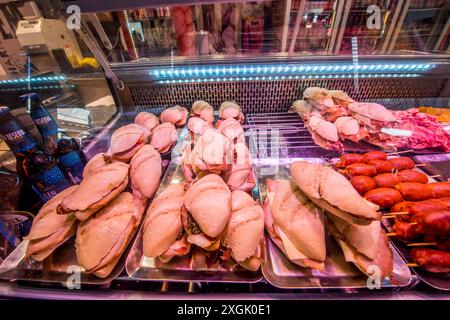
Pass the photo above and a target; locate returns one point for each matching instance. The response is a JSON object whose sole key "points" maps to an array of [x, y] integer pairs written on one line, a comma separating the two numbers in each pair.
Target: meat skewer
{"points": [[431, 260], [359, 169], [384, 197], [402, 163], [436, 223], [416, 191]]}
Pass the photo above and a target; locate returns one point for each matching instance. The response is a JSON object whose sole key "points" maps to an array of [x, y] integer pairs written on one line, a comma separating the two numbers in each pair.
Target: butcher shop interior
{"points": [[130, 131]]}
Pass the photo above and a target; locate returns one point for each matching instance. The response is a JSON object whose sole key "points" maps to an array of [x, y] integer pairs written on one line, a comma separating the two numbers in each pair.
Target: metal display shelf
{"points": [[13, 290]]}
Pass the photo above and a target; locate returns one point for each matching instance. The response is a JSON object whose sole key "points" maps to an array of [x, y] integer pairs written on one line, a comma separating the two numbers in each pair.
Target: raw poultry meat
{"points": [[162, 225], [295, 224], [176, 115], [126, 141], [319, 98], [95, 191], [230, 128], [324, 133], [229, 109], [240, 176], [164, 136], [94, 164], [197, 126], [364, 246], [340, 98], [147, 120], [354, 121], [102, 239], [426, 131], [203, 110], [212, 153], [145, 172], [245, 230], [349, 129], [371, 114], [49, 229], [208, 209], [333, 192]]}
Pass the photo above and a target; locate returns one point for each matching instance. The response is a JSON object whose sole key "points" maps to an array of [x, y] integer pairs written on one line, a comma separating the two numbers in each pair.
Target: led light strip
{"points": [[255, 70], [36, 79], [263, 78], [38, 87]]}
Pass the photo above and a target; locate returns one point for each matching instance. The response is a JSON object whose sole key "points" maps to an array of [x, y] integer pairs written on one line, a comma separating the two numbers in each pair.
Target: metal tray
{"points": [[440, 281], [436, 164], [55, 268], [58, 268], [338, 273], [179, 269]]}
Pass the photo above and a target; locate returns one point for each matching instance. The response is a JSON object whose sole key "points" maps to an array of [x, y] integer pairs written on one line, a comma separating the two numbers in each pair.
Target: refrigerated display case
{"points": [[129, 58], [422, 25]]}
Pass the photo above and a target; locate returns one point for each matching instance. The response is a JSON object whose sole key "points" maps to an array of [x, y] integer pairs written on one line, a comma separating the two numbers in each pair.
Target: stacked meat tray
{"points": [[182, 196]]}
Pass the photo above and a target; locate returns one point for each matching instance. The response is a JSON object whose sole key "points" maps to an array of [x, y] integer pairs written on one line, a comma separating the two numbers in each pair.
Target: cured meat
{"points": [[402, 163], [384, 197], [363, 184], [382, 166], [387, 180], [350, 158], [360, 169]]}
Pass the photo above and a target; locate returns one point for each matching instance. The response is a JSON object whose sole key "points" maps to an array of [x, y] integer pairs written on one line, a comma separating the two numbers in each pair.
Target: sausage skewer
{"points": [[421, 244]]}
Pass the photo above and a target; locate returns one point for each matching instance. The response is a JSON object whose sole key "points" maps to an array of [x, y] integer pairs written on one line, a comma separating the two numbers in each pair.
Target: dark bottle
{"points": [[71, 159], [44, 175], [45, 123], [23, 117], [17, 138]]}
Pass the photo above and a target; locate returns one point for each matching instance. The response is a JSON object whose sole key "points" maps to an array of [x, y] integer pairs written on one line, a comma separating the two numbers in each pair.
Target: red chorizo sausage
{"points": [[387, 180], [403, 206], [350, 158], [414, 191], [413, 176], [363, 184], [360, 169], [431, 260], [402, 163], [382, 166], [384, 197], [439, 189], [375, 155], [433, 222], [405, 231]]}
